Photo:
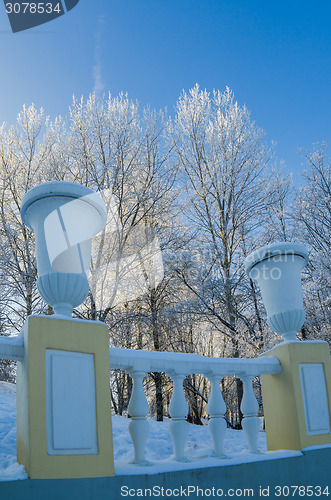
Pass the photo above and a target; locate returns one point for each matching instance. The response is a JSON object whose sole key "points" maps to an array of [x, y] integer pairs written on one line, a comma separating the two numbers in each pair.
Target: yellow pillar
{"points": [[63, 400], [297, 401]]}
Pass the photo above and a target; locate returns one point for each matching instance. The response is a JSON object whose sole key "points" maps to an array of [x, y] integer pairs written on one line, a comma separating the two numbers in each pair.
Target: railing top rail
{"points": [[187, 363], [12, 348]]}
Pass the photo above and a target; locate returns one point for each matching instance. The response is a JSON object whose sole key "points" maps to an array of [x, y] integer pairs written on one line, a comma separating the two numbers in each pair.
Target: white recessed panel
{"points": [[315, 398], [70, 403]]}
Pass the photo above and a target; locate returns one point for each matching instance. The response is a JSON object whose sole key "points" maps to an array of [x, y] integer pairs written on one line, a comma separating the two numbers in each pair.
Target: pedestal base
{"points": [[297, 401], [63, 400]]}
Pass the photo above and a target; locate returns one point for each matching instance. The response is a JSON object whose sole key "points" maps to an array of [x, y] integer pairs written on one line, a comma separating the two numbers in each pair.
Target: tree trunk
{"points": [[157, 376], [156, 344]]}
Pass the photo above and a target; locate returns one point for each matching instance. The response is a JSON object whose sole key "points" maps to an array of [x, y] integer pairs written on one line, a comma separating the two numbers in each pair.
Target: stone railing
{"points": [[137, 363], [12, 348], [177, 366]]}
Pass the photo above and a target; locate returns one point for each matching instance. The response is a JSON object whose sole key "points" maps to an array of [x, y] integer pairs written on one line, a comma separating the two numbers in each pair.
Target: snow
{"points": [[65, 318], [9, 468], [198, 449], [287, 342], [158, 448]]}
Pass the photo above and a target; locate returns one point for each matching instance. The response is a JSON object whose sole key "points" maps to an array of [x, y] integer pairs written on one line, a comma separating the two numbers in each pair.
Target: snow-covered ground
{"points": [[158, 448], [9, 468]]}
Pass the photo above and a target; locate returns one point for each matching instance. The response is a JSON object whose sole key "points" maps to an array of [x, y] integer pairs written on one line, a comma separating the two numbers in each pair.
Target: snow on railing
{"points": [[177, 366], [12, 348]]}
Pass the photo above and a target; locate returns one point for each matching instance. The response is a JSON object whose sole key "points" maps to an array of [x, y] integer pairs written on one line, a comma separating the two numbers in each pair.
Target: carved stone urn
{"points": [[64, 216], [277, 269]]}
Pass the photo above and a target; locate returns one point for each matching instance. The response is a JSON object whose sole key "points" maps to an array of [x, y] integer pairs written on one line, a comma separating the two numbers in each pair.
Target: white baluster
{"points": [[138, 409], [216, 408], [178, 426], [249, 408]]}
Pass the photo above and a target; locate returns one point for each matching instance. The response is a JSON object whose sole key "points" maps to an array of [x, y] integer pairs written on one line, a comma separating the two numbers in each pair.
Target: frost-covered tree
{"points": [[312, 215], [24, 153], [120, 151], [314, 202], [277, 222], [198, 191], [223, 159]]}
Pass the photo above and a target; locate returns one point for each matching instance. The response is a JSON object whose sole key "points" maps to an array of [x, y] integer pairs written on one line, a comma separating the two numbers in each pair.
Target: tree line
{"points": [[199, 190]]}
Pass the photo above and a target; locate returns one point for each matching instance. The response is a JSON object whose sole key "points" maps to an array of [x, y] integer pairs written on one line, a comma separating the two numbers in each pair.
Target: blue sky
{"points": [[274, 55]]}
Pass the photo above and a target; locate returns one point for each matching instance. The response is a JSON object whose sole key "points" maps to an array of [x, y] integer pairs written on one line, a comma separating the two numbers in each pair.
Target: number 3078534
{"points": [[33, 8]]}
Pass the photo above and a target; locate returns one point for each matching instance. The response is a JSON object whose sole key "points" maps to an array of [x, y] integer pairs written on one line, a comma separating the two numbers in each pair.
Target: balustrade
{"points": [[138, 410], [178, 426], [11, 348], [216, 409], [177, 366], [249, 409], [137, 363]]}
